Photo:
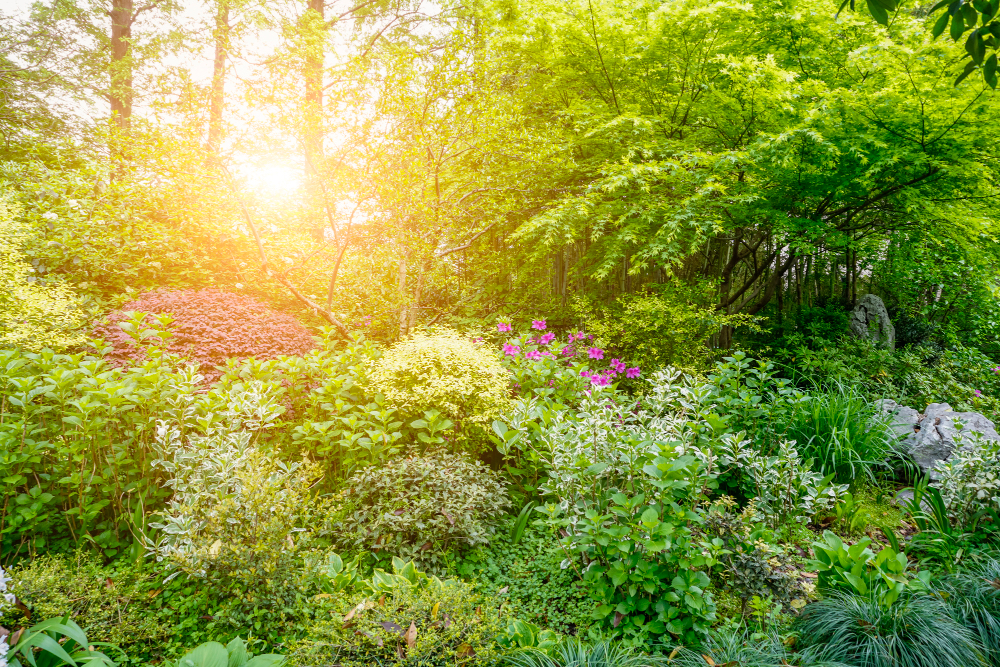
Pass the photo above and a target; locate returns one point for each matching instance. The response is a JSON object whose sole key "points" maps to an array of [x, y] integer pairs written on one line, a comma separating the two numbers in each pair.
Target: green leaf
{"points": [[969, 69], [990, 71], [940, 25], [238, 654], [209, 654], [957, 27], [267, 660]]}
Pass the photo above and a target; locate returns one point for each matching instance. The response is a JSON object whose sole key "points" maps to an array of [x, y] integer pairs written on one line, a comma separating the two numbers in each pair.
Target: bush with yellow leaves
{"points": [[35, 311], [446, 371]]}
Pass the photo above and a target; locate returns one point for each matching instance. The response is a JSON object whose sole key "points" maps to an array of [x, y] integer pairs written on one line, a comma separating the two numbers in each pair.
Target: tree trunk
{"points": [[222, 30], [312, 132], [121, 65]]}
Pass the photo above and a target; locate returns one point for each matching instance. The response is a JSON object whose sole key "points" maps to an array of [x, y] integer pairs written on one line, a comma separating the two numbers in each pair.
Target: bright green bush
{"points": [[445, 371], [422, 507], [439, 624], [36, 311]]}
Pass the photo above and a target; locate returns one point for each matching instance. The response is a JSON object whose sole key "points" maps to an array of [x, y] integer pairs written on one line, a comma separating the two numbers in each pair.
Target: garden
{"points": [[538, 334]]}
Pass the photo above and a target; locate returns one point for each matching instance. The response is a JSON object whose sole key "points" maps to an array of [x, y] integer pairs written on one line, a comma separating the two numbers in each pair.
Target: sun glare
{"points": [[274, 179]]}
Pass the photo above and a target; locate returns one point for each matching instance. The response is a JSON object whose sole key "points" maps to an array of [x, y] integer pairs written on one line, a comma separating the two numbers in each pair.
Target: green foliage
{"points": [[54, 643], [109, 603], [665, 327], [36, 311], [521, 635], [751, 564], [855, 569], [233, 654], [974, 598], [444, 371], [532, 577], [576, 653], [739, 647], [422, 507], [969, 481], [842, 432], [438, 624], [914, 631]]}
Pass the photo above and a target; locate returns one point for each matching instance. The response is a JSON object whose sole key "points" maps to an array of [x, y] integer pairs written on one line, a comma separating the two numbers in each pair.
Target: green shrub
{"points": [[422, 507], [857, 569], [439, 624], [234, 654], [109, 603], [738, 647], [529, 572], [448, 372], [914, 631]]}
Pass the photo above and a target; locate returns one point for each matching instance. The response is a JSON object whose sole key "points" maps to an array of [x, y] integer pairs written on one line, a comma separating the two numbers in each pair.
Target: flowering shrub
{"points": [[209, 326], [543, 364], [445, 371], [422, 507]]}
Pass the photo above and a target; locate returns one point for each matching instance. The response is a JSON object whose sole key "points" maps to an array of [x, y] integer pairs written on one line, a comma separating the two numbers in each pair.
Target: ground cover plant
{"points": [[538, 333]]}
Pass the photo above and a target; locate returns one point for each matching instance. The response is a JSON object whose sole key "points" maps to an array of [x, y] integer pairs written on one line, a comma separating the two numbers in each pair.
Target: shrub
{"points": [[738, 647], [969, 481], [916, 631], [448, 372], [666, 327], [233, 654], [536, 587], [238, 517], [439, 624], [36, 310], [109, 603], [209, 326], [422, 507]]}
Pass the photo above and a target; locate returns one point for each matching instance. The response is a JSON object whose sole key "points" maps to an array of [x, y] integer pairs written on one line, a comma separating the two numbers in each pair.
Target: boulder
{"points": [[870, 320], [942, 431]]}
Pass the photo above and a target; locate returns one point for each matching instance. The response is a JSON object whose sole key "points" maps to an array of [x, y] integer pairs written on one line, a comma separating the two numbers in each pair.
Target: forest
{"points": [[550, 333]]}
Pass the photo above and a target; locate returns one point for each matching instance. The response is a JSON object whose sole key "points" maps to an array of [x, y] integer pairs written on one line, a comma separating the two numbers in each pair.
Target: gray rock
{"points": [[904, 420], [942, 431], [870, 320]]}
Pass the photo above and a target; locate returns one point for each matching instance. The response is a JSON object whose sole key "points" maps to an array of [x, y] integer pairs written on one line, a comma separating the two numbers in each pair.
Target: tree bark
{"points": [[313, 132], [121, 65], [222, 30]]}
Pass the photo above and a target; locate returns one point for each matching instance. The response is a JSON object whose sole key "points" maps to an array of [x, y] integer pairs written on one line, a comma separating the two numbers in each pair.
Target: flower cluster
{"points": [[575, 355]]}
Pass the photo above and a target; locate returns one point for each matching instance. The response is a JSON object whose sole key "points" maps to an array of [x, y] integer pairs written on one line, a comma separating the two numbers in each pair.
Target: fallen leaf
{"points": [[392, 627], [465, 651], [411, 635], [447, 622], [153, 594], [425, 546], [400, 652], [708, 660], [108, 583], [503, 590], [448, 516], [616, 621], [434, 610], [357, 610]]}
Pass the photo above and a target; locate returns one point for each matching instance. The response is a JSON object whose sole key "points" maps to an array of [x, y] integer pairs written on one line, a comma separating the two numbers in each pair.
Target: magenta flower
{"points": [[979, 393], [503, 327], [585, 373], [618, 365], [511, 350], [545, 339], [547, 354], [600, 380], [533, 355], [538, 324], [568, 351], [632, 372], [595, 353]]}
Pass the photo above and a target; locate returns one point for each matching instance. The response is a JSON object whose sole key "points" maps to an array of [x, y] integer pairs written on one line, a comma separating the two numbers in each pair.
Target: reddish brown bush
{"points": [[209, 327]]}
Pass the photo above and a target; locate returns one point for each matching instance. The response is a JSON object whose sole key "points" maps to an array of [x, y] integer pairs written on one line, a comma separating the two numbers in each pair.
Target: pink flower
{"points": [[600, 380], [503, 327], [511, 350], [538, 324], [585, 373], [595, 353], [568, 351], [533, 355], [547, 354], [618, 365], [632, 372], [979, 393], [545, 339]]}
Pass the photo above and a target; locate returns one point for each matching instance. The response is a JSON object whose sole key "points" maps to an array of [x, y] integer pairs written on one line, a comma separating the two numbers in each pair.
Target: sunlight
{"points": [[275, 179]]}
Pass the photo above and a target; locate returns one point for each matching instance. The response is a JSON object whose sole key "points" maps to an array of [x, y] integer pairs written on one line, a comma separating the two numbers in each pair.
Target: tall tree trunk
{"points": [[121, 64], [312, 132], [401, 293], [222, 30]]}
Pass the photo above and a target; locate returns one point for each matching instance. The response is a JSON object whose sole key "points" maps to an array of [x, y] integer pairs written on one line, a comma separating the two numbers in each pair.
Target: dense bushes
{"points": [[425, 508], [447, 372], [209, 326]]}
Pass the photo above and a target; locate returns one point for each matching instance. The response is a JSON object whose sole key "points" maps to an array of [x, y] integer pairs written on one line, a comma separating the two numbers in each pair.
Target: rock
{"points": [[904, 420], [943, 430], [870, 320]]}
